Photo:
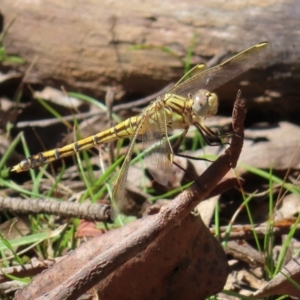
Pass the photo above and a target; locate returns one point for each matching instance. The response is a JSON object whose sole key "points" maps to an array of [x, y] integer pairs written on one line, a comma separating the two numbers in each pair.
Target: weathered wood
{"points": [[86, 44]]}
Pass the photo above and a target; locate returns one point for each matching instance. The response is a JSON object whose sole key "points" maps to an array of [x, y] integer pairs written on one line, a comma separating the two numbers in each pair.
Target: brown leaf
{"points": [[15, 228], [276, 147], [88, 229], [186, 263]]}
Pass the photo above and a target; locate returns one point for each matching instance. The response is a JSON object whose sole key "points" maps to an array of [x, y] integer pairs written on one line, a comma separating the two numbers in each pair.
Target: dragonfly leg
{"points": [[191, 157], [229, 134], [210, 137], [220, 136], [179, 140], [193, 176]]}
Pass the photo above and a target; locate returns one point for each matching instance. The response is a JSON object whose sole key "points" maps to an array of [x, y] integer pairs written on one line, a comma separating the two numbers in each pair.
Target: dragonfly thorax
{"points": [[205, 103]]}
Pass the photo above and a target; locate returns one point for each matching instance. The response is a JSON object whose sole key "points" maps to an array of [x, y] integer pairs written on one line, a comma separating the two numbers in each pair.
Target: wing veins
{"points": [[214, 77]]}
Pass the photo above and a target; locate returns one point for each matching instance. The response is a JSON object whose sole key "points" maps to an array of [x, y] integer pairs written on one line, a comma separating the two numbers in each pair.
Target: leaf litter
{"points": [[264, 147]]}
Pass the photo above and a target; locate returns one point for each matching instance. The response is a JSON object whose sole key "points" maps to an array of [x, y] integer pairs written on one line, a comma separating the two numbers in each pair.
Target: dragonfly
{"points": [[188, 103]]}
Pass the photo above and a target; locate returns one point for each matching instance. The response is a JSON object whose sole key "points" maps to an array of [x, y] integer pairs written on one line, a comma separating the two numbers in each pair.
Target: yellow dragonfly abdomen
{"points": [[123, 130]]}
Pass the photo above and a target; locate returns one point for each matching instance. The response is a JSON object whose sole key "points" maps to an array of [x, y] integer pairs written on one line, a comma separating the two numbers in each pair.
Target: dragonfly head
{"points": [[205, 103]]}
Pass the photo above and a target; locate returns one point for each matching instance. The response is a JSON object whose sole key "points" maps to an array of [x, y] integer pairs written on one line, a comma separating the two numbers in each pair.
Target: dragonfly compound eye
{"points": [[205, 103]]}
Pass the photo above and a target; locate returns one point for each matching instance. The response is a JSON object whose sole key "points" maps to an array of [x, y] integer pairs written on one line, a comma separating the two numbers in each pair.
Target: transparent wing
{"points": [[159, 154], [214, 77], [194, 71], [119, 188]]}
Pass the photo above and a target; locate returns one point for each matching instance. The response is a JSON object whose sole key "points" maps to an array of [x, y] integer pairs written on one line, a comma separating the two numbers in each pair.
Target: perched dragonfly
{"points": [[186, 104]]}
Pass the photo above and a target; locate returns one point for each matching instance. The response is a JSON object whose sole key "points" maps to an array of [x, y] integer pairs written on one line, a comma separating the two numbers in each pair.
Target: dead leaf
{"points": [[15, 228], [88, 229], [186, 263], [290, 206], [272, 146], [206, 209], [58, 97]]}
